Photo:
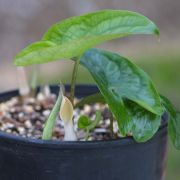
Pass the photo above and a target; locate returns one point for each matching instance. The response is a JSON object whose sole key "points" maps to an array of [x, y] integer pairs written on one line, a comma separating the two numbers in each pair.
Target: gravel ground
{"points": [[27, 117]]}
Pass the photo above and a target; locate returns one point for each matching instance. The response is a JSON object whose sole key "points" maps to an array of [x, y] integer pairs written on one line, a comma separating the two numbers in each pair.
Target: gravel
{"points": [[27, 119]]}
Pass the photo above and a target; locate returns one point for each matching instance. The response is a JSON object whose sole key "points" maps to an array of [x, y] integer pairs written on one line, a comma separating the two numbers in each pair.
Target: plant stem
{"points": [[87, 135], [111, 124], [34, 79], [73, 81]]}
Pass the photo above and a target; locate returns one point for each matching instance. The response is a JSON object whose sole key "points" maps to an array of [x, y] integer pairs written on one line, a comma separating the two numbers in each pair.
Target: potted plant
{"points": [[119, 130]]}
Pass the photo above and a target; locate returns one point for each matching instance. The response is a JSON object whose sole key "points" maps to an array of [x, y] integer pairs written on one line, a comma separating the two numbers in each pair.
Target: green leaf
{"points": [[143, 124], [118, 78], [83, 122], [173, 123], [71, 37], [94, 98], [48, 129], [174, 130]]}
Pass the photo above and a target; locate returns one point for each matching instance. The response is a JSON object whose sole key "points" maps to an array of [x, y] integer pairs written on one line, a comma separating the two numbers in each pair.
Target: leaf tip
{"points": [[157, 31], [15, 62], [18, 62]]}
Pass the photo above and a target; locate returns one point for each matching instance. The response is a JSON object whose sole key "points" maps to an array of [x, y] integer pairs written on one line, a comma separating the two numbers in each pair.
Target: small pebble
{"points": [[21, 115], [46, 113], [21, 130], [31, 101], [28, 109], [28, 124], [9, 125], [40, 97], [37, 108], [97, 106], [3, 107], [87, 109], [100, 130]]}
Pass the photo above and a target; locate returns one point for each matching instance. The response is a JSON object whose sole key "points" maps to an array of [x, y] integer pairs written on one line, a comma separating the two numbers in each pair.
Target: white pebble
{"points": [[12, 110], [21, 130], [8, 131], [20, 115], [9, 125], [3, 107], [9, 104], [87, 109], [97, 106], [40, 97], [37, 107], [28, 124], [100, 130], [115, 127], [28, 109], [14, 100], [31, 100], [107, 121], [46, 113]]}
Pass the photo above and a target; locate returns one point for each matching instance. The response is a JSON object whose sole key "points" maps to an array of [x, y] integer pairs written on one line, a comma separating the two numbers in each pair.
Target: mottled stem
{"points": [[87, 135], [73, 81], [34, 79]]}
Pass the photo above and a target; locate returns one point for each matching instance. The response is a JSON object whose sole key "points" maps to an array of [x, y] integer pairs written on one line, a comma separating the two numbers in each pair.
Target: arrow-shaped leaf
{"points": [[71, 37]]}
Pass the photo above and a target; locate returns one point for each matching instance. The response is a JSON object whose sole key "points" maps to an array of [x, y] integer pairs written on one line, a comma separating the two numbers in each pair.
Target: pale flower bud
{"points": [[66, 114]]}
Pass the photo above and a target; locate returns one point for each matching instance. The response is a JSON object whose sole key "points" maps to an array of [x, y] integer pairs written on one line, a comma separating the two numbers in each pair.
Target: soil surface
{"points": [[26, 117]]}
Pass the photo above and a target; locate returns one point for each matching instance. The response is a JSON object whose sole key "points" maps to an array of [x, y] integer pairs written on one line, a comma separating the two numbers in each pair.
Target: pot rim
{"points": [[51, 144]]}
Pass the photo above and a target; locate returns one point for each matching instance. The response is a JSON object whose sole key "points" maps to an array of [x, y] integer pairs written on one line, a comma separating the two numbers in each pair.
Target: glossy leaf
{"points": [[73, 36], [118, 78], [174, 122], [143, 124]]}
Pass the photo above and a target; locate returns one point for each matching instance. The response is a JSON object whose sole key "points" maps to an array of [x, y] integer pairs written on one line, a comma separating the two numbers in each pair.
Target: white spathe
{"points": [[66, 114]]}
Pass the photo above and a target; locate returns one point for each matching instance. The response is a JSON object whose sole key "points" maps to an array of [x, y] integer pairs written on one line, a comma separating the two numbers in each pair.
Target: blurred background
{"points": [[25, 21]]}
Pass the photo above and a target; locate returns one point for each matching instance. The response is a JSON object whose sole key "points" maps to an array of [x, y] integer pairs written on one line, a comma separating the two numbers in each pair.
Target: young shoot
{"points": [[88, 125], [50, 123]]}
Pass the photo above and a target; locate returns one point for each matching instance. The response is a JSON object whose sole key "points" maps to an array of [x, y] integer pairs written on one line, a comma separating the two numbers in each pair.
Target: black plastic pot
{"points": [[123, 159]]}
